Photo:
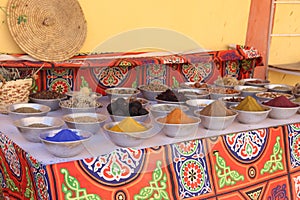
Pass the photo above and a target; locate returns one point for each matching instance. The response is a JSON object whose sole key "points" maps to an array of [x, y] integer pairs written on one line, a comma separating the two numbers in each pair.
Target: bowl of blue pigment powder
{"points": [[65, 142]]}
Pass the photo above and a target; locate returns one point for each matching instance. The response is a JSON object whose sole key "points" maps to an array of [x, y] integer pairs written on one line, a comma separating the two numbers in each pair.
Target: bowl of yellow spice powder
{"points": [[250, 111], [128, 132]]}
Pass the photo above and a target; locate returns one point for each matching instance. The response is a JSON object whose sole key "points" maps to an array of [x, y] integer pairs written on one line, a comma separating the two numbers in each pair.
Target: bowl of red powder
{"points": [[65, 142], [282, 107]]}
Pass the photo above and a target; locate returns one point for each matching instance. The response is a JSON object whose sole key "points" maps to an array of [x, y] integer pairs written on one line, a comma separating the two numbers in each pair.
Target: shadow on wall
{"points": [[149, 39]]}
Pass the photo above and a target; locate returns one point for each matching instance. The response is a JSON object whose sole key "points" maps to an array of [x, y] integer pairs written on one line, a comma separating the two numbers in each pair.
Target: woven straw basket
{"points": [[14, 92]]}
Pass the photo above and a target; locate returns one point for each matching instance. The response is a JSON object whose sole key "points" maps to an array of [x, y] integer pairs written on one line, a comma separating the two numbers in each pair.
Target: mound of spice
{"points": [[38, 125], [48, 94], [217, 109], [64, 135], [177, 116], [128, 125], [281, 101], [27, 110], [249, 104]]}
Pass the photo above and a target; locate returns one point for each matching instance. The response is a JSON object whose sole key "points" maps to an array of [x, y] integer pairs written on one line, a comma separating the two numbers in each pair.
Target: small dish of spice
{"points": [[178, 124], [281, 107], [279, 88], [250, 111], [91, 122], [128, 132], [48, 98], [216, 116], [31, 127], [65, 142], [21, 110]]}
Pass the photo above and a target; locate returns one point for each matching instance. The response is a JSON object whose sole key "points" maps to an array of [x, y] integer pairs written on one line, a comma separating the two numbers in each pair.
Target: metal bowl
{"points": [[248, 90], [159, 110], [283, 88], [151, 94], [67, 148], [52, 103], [195, 104], [11, 109], [256, 82], [266, 96], [143, 101], [91, 122], [195, 85], [231, 101], [251, 117], [119, 92], [31, 127], [68, 106], [216, 122], [218, 92], [128, 139], [94, 95], [191, 93], [178, 130]]}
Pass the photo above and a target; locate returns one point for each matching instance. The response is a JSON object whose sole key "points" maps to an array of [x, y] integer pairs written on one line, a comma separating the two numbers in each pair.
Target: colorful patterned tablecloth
{"points": [[101, 71], [256, 164]]}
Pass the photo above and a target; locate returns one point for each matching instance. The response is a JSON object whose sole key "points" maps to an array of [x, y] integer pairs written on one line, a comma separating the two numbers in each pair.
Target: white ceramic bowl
{"points": [[11, 109], [119, 92], [195, 104], [214, 122], [160, 110], [126, 139], [283, 88], [179, 130], [30, 127], [252, 117], [91, 122], [248, 90], [282, 113], [151, 94], [67, 148]]}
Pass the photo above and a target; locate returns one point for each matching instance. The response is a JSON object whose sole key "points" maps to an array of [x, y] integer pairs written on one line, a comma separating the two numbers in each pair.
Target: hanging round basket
{"points": [[48, 30]]}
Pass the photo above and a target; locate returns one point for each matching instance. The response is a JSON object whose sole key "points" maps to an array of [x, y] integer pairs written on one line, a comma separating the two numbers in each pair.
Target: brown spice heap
{"points": [[177, 116], [47, 94], [83, 119], [27, 110], [38, 125], [217, 109]]}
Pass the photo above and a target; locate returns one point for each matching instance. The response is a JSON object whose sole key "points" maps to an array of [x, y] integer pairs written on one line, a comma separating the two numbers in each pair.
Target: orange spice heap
{"points": [[177, 116]]}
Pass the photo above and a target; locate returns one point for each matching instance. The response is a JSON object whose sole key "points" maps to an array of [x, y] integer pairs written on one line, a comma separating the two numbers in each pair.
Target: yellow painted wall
{"points": [[285, 49], [113, 24]]}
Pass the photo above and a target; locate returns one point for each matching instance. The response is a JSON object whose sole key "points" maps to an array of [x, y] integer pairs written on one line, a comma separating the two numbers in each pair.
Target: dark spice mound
{"points": [[121, 107], [170, 95], [49, 94]]}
